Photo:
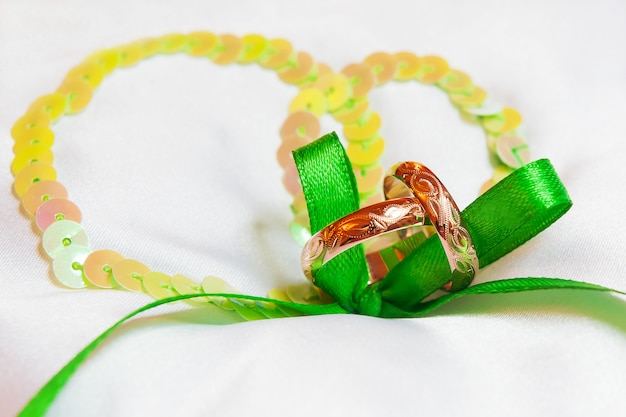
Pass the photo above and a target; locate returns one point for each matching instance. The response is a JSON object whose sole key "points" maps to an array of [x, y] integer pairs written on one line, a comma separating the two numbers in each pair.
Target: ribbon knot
{"points": [[368, 302]]}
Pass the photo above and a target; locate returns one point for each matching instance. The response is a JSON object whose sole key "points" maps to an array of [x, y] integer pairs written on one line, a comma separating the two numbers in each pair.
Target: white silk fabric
{"points": [[173, 164]]}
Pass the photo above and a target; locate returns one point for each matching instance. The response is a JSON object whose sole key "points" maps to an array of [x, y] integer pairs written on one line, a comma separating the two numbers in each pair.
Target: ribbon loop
{"points": [[509, 214], [330, 189]]}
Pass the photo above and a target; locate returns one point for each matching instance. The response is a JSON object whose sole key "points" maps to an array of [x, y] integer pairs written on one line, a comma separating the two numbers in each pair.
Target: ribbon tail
{"points": [[510, 285], [39, 404]]}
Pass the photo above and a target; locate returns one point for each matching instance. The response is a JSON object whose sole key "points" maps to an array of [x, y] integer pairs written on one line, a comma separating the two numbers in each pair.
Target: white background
{"points": [[173, 164]]}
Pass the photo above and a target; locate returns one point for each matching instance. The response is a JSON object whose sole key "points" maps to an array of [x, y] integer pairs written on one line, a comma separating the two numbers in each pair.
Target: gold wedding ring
{"points": [[412, 179], [387, 216]]}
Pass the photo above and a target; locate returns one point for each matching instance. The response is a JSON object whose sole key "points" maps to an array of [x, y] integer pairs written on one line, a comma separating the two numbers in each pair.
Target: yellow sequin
{"points": [[129, 273], [228, 50], [455, 81], [336, 88], [361, 79], [202, 43], [129, 54], [507, 120], [364, 129], [253, 48], [40, 192], [512, 150], [149, 46], [173, 43], [367, 154], [31, 174], [408, 66], [311, 100], [474, 97], [108, 60], [42, 136], [212, 285], [158, 285], [184, 286], [303, 124], [98, 267], [383, 65], [298, 70], [318, 73], [53, 104], [77, 92], [35, 117], [432, 70], [276, 54], [89, 72], [30, 155], [352, 111]]}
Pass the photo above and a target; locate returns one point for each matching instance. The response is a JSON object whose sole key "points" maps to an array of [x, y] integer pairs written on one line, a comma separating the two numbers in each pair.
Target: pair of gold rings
{"points": [[414, 197]]}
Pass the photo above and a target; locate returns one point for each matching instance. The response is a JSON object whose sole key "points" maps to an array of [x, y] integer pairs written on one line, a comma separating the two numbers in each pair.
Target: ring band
{"points": [[415, 180], [357, 227]]}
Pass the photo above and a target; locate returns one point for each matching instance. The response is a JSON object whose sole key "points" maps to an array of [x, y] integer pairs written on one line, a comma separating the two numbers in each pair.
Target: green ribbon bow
{"points": [[506, 216]]}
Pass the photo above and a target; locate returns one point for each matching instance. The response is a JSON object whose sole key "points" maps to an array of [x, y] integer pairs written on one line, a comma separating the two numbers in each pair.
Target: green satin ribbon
{"points": [[509, 214]]}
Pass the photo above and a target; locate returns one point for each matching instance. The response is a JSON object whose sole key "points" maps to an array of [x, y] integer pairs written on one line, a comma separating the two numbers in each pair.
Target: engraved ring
{"points": [[412, 179], [364, 224]]}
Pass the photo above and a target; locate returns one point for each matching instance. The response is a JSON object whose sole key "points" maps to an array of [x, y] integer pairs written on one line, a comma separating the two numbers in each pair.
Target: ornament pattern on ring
{"points": [[356, 227], [444, 214]]}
